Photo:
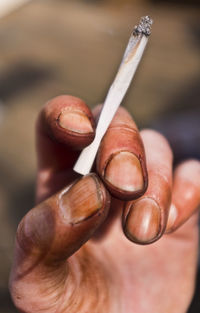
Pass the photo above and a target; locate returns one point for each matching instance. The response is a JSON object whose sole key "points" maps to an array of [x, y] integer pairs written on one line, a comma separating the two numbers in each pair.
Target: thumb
{"points": [[53, 231]]}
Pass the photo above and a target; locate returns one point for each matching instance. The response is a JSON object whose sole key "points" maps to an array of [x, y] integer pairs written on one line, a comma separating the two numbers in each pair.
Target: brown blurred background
{"points": [[51, 47]]}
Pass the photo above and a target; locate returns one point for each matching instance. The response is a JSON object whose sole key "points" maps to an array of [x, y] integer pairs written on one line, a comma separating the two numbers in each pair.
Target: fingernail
{"points": [[143, 221], [124, 171], [82, 200], [172, 217], [75, 121]]}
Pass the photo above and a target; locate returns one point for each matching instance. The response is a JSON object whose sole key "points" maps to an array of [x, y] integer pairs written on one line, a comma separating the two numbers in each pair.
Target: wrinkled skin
{"points": [[108, 272]]}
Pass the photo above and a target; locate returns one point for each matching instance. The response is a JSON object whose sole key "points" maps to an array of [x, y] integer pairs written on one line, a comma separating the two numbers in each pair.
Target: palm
{"points": [[119, 276]]}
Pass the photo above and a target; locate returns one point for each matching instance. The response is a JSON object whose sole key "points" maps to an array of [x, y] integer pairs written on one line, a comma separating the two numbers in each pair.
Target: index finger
{"points": [[65, 125]]}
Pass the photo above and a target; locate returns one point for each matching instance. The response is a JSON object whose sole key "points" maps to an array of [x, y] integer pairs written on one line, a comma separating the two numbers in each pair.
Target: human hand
{"points": [[71, 252]]}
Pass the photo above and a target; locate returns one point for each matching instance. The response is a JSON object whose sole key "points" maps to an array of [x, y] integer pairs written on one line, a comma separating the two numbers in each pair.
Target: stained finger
{"points": [[145, 219], [49, 234], [121, 158], [64, 126]]}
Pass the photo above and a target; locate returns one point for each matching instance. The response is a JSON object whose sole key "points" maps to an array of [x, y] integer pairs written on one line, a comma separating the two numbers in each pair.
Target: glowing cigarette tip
{"points": [[144, 26]]}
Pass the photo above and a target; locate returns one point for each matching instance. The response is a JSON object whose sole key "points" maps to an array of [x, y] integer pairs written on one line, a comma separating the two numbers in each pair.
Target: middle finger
{"points": [[121, 158]]}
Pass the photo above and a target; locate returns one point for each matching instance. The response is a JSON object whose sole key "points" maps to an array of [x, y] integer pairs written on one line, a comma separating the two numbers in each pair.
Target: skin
{"points": [[76, 252]]}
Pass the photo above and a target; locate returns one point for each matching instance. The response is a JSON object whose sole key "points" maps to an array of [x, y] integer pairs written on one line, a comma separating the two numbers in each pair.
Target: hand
{"points": [[72, 253]]}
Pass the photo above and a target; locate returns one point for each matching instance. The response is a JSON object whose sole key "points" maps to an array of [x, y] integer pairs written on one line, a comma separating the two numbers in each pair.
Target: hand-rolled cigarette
{"points": [[117, 91]]}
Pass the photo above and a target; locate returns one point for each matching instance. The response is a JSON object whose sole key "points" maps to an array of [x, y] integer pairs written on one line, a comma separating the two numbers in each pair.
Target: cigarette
{"points": [[117, 91]]}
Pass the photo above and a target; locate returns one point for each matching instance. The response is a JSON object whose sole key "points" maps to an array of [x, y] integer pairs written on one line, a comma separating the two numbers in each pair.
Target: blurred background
{"points": [[53, 47]]}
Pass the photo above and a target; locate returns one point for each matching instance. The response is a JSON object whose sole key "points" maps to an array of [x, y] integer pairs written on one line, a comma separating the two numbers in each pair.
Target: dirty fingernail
{"points": [[124, 171], [142, 224], [82, 200], [75, 121]]}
